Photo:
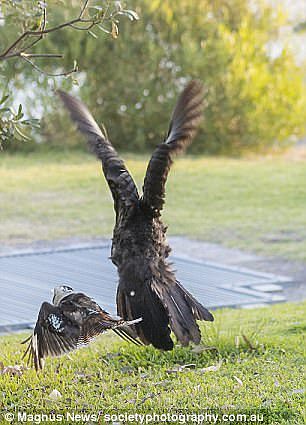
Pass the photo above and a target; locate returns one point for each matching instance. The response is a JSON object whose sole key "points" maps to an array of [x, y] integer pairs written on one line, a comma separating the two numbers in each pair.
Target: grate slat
{"points": [[27, 279]]}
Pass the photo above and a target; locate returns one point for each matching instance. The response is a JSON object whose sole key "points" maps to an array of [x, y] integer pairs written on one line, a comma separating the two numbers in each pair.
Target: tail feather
{"points": [[127, 334], [163, 307], [198, 310], [124, 329], [153, 329], [183, 310]]}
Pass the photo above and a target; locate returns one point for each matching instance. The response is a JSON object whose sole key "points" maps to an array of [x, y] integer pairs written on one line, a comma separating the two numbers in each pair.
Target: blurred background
{"points": [[242, 184], [249, 54]]}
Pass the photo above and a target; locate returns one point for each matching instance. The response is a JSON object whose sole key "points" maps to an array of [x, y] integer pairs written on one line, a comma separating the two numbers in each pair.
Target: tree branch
{"points": [[84, 7], [11, 52], [49, 74], [42, 55], [29, 38], [6, 54]]}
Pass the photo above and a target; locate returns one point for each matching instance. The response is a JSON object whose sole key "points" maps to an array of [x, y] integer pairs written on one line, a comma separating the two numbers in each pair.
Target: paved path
{"points": [[205, 251], [212, 276]]}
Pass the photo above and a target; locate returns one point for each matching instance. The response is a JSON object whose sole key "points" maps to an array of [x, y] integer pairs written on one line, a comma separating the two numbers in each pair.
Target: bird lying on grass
{"points": [[147, 284], [72, 320]]}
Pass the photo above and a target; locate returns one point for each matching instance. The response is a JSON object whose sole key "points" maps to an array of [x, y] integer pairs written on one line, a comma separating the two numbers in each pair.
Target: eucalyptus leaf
{"points": [[4, 98]]}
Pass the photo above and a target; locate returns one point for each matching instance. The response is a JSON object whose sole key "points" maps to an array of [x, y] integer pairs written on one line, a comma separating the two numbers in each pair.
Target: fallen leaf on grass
{"points": [[147, 397], [228, 407], [81, 377], [180, 368], [55, 395], [298, 391], [189, 366], [197, 388], [238, 380], [175, 370], [112, 355], [12, 370], [127, 369], [162, 383], [78, 393], [198, 349], [212, 368]]}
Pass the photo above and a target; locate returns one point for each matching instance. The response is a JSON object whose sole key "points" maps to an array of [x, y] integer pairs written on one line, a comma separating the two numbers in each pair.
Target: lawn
{"points": [[254, 204], [254, 366]]}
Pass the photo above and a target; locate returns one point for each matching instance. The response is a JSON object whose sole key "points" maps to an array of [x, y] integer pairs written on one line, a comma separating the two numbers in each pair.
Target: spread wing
{"points": [[185, 120], [54, 334], [121, 184], [71, 325], [94, 320]]}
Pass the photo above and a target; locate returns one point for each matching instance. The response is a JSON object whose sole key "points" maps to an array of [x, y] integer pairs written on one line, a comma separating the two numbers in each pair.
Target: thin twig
{"points": [[41, 55], [84, 7], [49, 74], [83, 28], [20, 47], [38, 34], [43, 27]]}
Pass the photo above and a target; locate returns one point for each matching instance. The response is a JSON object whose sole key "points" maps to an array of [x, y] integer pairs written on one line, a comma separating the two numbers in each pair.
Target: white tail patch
{"points": [[132, 322]]}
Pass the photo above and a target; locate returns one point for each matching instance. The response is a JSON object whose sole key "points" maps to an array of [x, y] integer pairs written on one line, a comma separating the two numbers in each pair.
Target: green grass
{"points": [[253, 204], [111, 375]]}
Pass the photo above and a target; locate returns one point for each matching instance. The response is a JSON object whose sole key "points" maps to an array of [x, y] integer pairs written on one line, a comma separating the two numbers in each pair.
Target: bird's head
{"points": [[59, 292]]}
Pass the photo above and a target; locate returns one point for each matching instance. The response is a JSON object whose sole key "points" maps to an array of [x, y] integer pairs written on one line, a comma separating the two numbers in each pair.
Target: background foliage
{"points": [[255, 99], [25, 25]]}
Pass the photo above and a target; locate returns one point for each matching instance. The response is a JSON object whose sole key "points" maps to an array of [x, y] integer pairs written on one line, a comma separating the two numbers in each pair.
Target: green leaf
{"points": [[21, 134], [131, 14], [31, 122], [92, 34], [103, 29], [19, 114], [4, 98], [99, 8]]}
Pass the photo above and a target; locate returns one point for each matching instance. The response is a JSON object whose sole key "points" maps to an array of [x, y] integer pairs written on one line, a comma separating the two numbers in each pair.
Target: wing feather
{"points": [[74, 323], [51, 340], [185, 120], [121, 184]]}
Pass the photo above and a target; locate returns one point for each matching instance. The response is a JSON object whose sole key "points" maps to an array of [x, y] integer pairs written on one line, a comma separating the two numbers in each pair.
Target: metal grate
{"points": [[26, 281]]}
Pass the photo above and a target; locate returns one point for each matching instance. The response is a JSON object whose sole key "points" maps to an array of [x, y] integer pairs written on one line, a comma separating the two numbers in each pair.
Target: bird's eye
{"points": [[67, 288]]}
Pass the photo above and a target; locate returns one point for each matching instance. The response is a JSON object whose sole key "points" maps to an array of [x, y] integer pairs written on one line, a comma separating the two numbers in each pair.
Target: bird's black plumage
{"points": [[147, 284], [72, 322]]}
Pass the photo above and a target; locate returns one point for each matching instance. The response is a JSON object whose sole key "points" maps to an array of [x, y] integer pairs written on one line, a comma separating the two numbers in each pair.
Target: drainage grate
{"points": [[26, 281]]}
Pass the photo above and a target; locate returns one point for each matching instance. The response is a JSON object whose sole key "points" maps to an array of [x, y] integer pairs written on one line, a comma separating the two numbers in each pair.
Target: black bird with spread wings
{"points": [[147, 284], [72, 321]]}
